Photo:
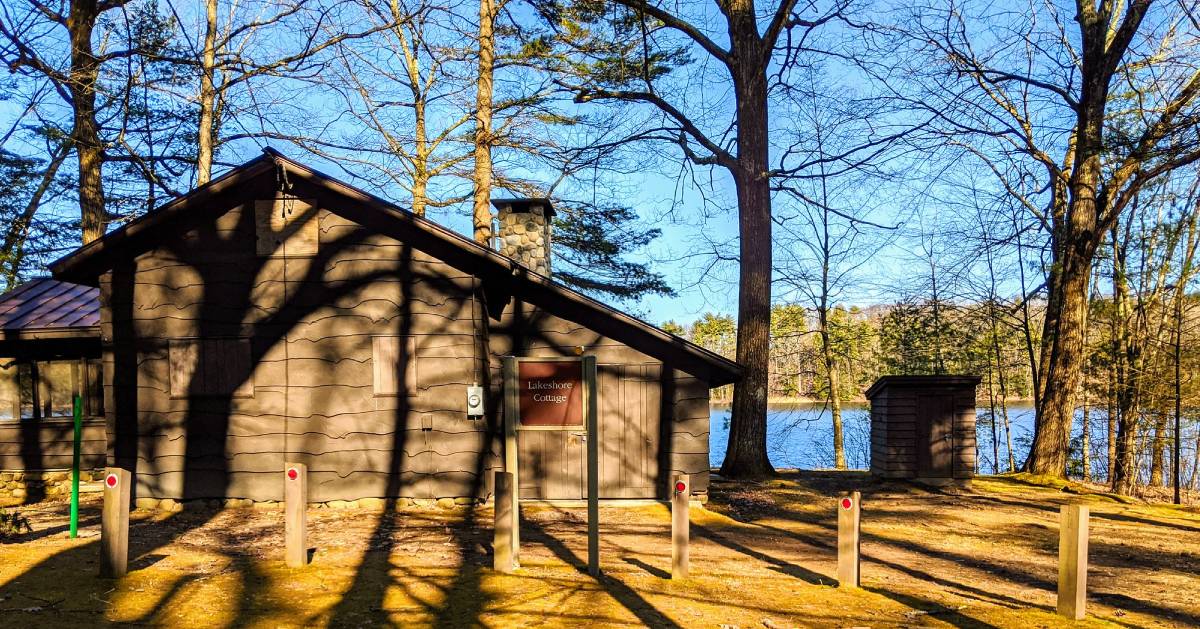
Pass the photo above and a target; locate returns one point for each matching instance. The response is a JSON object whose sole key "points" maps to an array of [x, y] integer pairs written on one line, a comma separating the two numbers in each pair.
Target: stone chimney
{"points": [[524, 234]]}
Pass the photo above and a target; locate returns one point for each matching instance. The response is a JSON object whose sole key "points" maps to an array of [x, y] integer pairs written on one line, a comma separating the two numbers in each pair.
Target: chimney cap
{"points": [[525, 204]]}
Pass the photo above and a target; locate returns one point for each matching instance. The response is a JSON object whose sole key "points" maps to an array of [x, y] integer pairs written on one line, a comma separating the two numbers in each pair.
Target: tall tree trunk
{"points": [[208, 96], [85, 69], [1196, 463], [1158, 446], [746, 456], [481, 215], [1012, 458], [834, 394], [1078, 230], [1112, 413], [1062, 360], [1027, 326], [1086, 441], [992, 415]]}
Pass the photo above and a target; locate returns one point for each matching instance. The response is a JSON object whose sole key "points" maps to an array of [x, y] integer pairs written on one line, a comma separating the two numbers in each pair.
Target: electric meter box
{"points": [[474, 401]]}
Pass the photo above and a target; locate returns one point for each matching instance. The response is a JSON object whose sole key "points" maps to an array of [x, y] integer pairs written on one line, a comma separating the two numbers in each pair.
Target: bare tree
{"points": [[737, 141], [27, 32], [1125, 89]]}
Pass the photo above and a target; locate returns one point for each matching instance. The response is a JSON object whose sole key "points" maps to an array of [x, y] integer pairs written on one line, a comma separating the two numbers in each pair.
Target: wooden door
{"points": [[629, 424], [551, 463], [935, 436]]}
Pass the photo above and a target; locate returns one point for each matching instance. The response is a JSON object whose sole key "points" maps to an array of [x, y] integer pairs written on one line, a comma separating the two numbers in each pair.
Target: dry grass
{"points": [[762, 555]]}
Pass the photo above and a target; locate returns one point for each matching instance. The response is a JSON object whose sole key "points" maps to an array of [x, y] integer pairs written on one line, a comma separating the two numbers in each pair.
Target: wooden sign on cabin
{"points": [[551, 393]]}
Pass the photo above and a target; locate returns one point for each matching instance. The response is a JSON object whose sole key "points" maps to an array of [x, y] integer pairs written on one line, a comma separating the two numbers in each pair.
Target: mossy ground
{"points": [[762, 555]]}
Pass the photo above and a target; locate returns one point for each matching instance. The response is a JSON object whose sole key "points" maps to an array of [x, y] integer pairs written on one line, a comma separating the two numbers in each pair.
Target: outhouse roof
{"points": [[921, 382]]}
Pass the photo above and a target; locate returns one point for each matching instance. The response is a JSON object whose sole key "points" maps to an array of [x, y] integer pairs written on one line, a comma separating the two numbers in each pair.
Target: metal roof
{"points": [[46, 303]]}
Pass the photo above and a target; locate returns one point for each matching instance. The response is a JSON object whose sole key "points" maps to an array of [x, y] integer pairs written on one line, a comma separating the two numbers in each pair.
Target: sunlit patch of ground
{"points": [[762, 555]]}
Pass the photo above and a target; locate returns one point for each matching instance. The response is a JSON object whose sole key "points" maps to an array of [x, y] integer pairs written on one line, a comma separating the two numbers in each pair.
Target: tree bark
{"points": [[85, 68], [208, 96], [834, 393], [746, 456], [1112, 412], [1078, 230], [1062, 360], [1086, 441], [481, 215], [1158, 446]]}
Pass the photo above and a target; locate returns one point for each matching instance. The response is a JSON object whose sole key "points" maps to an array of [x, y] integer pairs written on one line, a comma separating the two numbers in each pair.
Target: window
{"points": [[9, 391], [390, 355], [46, 389], [286, 227], [213, 367]]}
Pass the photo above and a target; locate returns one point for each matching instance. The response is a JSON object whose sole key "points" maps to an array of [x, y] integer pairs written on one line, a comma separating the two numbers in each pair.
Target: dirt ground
{"points": [[762, 556]]}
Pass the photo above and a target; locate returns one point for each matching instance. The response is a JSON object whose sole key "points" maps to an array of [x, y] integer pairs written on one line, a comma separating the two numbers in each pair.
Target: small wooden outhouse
{"points": [[923, 428]]}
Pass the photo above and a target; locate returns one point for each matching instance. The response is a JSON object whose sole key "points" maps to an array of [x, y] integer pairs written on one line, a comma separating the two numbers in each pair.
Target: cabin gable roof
{"points": [[503, 277]]}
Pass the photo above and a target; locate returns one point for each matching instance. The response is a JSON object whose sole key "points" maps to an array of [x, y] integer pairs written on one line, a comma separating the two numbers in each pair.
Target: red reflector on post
{"points": [[292, 474], [680, 487], [847, 503], [111, 480]]}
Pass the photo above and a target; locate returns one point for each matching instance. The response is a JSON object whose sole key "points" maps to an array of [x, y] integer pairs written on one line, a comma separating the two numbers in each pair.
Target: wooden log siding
{"points": [[55, 441], [314, 326]]}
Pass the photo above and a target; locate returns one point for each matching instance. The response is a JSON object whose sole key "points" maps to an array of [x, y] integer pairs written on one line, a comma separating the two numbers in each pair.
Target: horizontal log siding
{"points": [[48, 444], [312, 375]]}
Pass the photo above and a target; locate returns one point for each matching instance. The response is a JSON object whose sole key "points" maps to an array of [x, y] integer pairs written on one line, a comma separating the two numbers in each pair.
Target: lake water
{"points": [[801, 436]]}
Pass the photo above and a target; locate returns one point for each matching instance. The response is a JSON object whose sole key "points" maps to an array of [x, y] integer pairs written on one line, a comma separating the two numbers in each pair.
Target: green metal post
{"points": [[75, 467]]}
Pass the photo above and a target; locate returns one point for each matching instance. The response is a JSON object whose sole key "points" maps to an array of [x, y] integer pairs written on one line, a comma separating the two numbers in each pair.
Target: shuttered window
{"points": [[394, 359], [286, 227], [211, 368]]}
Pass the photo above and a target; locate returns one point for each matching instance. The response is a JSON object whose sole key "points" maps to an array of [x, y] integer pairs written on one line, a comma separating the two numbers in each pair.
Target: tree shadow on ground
{"points": [[648, 614]]}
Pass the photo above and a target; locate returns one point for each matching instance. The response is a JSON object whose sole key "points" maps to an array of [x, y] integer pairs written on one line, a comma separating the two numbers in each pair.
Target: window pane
{"points": [[8, 388], [25, 390], [58, 387]]}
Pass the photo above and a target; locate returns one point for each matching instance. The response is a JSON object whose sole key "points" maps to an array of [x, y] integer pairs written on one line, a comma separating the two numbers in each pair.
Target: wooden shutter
{"points": [[211, 367], [390, 355], [286, 227], [183, 355]]}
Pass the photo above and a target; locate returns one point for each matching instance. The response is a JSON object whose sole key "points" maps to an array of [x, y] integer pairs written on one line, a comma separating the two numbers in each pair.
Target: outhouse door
{"points": [[935, 436]]}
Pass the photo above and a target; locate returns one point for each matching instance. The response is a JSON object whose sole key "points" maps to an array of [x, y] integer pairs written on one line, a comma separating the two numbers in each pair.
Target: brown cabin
{"points": [[277, 314], [923, 428]]}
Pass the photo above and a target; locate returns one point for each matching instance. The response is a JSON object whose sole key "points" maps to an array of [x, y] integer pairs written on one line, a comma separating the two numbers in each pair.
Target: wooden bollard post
{"points": [[593, 464], [295, 518], [680, 525], [114, 524], [502, 544], [849, 511], [1072, 561]]}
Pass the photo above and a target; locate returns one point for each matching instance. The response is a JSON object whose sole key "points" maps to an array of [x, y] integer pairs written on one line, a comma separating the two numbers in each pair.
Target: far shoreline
{"points": [[857, 402]]}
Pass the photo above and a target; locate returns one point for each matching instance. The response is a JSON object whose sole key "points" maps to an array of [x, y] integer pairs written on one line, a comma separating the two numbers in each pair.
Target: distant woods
{"points": [[1119, 400]]}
